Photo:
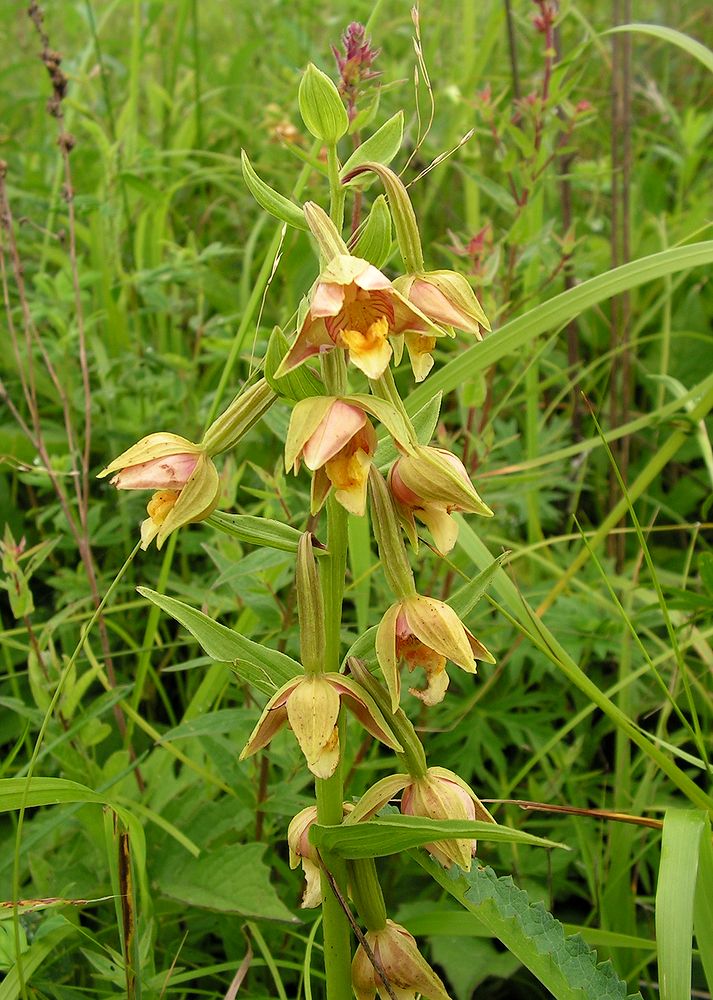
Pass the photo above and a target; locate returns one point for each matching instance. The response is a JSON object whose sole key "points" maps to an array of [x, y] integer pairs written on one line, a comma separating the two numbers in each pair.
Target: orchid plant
{"points": [[351, 331]]}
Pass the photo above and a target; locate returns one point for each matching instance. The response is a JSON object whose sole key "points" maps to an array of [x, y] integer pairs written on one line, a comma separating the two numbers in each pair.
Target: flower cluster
{"points": [[358, 322]]}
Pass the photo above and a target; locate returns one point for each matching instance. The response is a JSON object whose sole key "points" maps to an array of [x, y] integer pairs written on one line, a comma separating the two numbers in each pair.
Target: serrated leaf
{"points": [[392, 834], [230, 879], [266, 668], [272, 201], [381, 147], [566, 966]]}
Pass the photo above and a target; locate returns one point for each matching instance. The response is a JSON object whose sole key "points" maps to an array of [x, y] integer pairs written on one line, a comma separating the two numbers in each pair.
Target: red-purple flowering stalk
{"points": [[354, 64]]}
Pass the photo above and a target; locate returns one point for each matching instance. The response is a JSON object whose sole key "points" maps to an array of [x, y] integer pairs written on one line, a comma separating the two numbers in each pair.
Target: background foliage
{"points": [[171, 260]]}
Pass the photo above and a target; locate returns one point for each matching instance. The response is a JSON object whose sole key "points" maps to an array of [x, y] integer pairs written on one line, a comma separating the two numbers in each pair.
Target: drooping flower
{"points": [[336, 441], [444, 298], [182, 473], [305, 853], [398, 958], [431, 484], [423, 632], [310, 706], [438, 794]]}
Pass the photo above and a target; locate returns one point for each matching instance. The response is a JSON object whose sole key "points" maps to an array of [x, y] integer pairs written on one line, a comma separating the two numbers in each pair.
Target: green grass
{"points": [[601, 696]]}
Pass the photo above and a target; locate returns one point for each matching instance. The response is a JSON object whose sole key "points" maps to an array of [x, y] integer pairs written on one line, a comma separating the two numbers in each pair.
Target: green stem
{"points": [[330, 792], [385, 388], [337, 193], [366, 893]]}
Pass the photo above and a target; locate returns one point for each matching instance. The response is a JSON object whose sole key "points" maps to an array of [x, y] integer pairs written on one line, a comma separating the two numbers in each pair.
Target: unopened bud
{"points": [[321, 107]]}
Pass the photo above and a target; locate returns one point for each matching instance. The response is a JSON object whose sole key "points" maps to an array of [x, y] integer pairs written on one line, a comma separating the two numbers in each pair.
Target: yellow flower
{"points": [[310, 706]]}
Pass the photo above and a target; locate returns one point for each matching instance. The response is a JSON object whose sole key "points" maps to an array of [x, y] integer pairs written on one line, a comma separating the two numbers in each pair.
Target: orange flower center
{"points": [[161, 504], [345, 471]]}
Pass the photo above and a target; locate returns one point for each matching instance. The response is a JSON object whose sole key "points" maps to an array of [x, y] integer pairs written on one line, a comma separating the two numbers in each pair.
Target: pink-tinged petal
{"points": [[273, 717], [431, 301], [364, 707], [311, 340], [169, 473], [480, 652], [271, 721], [336, 429], [371, 279], [327, 299], [158, 445], [399, 489]]}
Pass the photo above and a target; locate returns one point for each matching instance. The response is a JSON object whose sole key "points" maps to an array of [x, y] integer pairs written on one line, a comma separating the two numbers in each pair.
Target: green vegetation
{"points": [[142, 281]]}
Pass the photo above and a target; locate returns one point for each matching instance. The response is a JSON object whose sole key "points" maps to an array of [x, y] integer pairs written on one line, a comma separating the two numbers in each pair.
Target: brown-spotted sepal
{"points": [[399, 960], [310, 706], [423, 632]]}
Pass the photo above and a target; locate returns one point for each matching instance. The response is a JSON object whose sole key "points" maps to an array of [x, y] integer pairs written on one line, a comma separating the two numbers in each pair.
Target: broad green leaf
{"points": [[566, 966], [703, 907], [269, 199], [516, 333], [231, 879], [269, 669], [40, 949], [690, 45], [259, 531], [380, 147], [392, 834], [680, 846], [44, 792]]}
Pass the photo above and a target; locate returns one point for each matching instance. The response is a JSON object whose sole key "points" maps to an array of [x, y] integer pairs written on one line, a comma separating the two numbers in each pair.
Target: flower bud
{"points": [[441, 794], [321, 107], [446, 298], [397, 959], [303, 852], [431, 484], [183, 474], [242, 414]]}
